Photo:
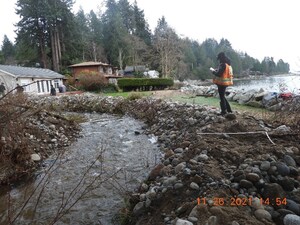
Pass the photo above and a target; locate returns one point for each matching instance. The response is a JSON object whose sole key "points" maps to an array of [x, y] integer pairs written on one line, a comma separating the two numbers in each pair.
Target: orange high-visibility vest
{"points": [[226, 78]]}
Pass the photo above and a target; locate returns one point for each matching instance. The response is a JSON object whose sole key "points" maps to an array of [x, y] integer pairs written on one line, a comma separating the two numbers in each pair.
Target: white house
{"points": [[37, 80]]}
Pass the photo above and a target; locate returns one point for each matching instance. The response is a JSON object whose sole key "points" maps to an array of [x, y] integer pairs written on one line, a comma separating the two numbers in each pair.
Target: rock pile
{"points": [[45, 133], [214, 170]]}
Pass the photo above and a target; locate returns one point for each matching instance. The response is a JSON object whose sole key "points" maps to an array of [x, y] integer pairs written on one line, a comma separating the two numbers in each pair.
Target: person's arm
{"points": [[220, 70]]}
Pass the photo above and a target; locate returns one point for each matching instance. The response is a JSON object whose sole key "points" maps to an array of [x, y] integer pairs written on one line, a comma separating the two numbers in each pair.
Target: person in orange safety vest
{"points": [[223, 79]]}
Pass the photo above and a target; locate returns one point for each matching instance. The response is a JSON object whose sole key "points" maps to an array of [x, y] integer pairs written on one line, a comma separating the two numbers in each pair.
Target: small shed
{"points": [[34, 80], [97, 67]]}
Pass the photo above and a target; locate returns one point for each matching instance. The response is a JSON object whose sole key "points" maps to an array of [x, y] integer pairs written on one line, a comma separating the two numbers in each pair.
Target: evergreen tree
{"points": [[48, 25], [115, 37], [166, 43], [282, 67], [83, 34], [8, 51], [96, 44], [126, 13], [141, 26]]}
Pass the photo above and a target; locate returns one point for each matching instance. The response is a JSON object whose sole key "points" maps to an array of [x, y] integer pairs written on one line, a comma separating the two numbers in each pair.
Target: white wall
{"points": [[38, 86]]}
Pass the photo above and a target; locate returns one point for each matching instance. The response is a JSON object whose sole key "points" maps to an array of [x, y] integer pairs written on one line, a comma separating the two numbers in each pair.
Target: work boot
{"points": [[223, 108], [228, 106]]}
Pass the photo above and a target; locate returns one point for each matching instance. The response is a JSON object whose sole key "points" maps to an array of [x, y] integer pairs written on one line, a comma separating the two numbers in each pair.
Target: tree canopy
{"points": [[49, 35]]}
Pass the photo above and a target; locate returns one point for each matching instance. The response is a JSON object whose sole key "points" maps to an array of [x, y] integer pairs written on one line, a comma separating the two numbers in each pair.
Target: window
{"points": [[56, 83], [43, 88], [47, 86], [26, 88], [38, 86]]}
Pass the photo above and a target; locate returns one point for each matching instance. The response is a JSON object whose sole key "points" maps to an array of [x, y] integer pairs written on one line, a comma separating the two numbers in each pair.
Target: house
{"points": [[34, 80], [131, 70], [97, 67], [110, 72]]}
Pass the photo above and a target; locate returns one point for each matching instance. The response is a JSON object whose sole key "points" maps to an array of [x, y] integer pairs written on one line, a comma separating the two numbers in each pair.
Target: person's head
{"points": [[221, 56]]}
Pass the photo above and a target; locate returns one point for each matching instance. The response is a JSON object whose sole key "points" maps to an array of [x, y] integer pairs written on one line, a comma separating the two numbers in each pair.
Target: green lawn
{"points": [[210, 101], [215, 102]]}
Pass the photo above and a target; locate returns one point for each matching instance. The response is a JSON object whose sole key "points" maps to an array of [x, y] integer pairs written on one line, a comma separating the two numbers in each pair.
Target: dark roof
{"points": [[139, 68], [19, 71], [90, 64]]}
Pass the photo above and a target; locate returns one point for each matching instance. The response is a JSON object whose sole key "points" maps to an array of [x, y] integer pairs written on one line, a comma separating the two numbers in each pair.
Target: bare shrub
{"points": [[92, 81], [14, 145]]}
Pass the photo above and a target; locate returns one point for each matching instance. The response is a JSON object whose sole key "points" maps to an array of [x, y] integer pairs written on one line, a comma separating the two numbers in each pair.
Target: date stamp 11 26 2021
{"points": [[235, 201]]}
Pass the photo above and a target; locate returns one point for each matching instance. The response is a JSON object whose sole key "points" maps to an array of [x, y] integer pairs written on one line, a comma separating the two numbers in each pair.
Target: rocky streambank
{"points": [[214, 170], [260, 98], [29, 134]]}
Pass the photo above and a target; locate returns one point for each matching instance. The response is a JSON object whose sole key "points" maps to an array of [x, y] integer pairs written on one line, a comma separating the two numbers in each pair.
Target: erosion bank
{"points": [[208, 157]]}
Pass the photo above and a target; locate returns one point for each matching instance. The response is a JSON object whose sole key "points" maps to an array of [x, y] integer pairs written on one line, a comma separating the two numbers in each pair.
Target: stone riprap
{"points": [[207, 174]]}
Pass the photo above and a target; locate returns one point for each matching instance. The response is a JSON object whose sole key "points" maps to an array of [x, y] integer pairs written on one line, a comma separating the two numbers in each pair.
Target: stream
{"points": [[88, 183]]}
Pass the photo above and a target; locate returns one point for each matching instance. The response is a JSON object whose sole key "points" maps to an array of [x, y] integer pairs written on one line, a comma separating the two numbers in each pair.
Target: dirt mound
{"points": [[222, 162]]}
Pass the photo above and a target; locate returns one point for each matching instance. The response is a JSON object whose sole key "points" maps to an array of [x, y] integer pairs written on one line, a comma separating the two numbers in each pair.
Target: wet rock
{"points": [[235, 223], [202, 157], [265, 165], [253, 177], [282, 169], [246, 184], [183, 222], [178, 150], [293, 206], [155, 172], [283, 129], [194, 186], [291, 220], [193, 219], [212, 220], [144, 187], [169, 153], [284, 212], [170, 181], [180, 167], [286, 183], [262, 215], [238, 173], [139, 208], [151, 194], [273, 189], [272, 170], [256, 203], [35, 157], [289, 160], [178, 185]]}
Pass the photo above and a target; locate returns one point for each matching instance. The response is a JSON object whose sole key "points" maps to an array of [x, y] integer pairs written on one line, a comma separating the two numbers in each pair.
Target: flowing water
{"points": [[87, 184], [279, 83]]}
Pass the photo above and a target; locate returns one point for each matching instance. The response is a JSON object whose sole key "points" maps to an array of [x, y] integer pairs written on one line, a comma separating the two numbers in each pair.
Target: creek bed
{"points": [[110, 159]]}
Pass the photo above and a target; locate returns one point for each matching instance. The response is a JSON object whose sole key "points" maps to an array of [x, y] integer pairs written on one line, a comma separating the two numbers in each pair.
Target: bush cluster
{"points": [[144, 84], [89, 81]]}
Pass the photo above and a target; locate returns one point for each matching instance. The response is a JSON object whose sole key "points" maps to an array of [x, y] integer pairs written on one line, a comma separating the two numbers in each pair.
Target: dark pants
{"points": [[224, 104]]}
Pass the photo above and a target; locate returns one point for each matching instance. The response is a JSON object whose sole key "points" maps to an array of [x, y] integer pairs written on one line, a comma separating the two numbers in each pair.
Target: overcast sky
{"points": [[259, 27]]}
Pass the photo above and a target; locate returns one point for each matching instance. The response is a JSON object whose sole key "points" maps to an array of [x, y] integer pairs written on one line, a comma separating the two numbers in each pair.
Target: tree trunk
{"points": [[120, 58], [43, 51], [55, 47]]}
